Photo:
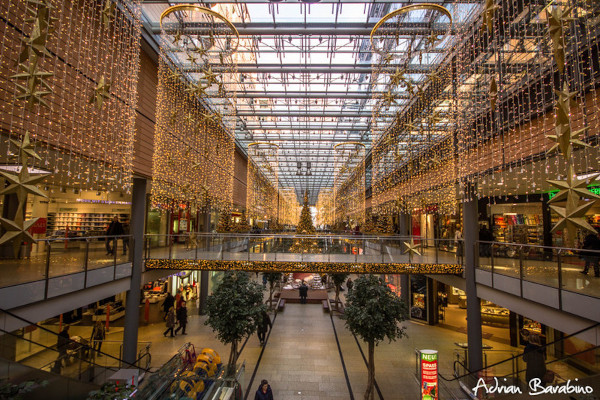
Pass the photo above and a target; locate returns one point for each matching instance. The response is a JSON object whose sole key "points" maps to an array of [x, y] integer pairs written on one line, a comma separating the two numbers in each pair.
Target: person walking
{"points": [[98, 335], [591, 242], [264, 391], [114, 229], [458, 243], [535, 357], [303, 290], [125, 237], [349, 284], [170, 322], [167, 304], [263, 327], [62, 344], [182, 318]]}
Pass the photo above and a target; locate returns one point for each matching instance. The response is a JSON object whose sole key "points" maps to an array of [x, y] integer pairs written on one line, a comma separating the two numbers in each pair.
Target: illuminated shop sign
{"points": [[103, 201], [429, 374]]}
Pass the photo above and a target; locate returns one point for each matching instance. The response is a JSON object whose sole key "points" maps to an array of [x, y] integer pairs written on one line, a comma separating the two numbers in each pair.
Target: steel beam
{"points": [[307, 114], [321, 29], [309, 95]]}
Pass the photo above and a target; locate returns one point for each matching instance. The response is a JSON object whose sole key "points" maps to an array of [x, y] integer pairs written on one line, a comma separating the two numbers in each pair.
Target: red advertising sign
{"points": [[39, 226], [429, 375]]}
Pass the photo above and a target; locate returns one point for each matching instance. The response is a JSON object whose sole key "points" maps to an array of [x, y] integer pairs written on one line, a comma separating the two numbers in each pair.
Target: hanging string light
{"points": [[69, 78], [349, 183], [262, 181], [194, 140], [413, 112]]}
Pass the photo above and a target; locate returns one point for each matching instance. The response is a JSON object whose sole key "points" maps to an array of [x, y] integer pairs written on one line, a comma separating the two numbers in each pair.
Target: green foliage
{"points": [[111, 391], [234, 310], [14, 391], [373, 311]]}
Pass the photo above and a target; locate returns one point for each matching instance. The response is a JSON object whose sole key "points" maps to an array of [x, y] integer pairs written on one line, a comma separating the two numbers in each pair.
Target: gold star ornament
{"points": [[101, 92]]}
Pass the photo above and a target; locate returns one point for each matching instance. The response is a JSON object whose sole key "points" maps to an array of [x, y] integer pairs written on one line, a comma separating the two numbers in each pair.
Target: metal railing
{"points": [[559, 268], [583, 365], [76, 358], [303, 248], [53, 258]]}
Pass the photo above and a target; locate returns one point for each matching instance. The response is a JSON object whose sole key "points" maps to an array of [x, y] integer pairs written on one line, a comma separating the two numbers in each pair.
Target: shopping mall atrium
{"points": [[300, 199]]}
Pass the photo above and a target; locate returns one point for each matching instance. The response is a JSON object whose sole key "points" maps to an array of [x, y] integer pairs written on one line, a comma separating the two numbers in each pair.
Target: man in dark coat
{"points": [[168, 303], [182, 318], [62, 344], [114, 229], [534, 356], [263, 327], [264, 391], [591, 242], [303, 289]]}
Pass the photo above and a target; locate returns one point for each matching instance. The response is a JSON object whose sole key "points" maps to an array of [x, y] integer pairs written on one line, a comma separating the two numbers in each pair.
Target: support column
{"points": [[470, 226], [403, 227], [132, 313], [205, 218]]}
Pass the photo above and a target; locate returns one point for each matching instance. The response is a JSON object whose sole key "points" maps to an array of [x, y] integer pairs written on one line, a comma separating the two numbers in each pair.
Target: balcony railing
{"points": [[500, 265], [302, 248], [54, 266]]}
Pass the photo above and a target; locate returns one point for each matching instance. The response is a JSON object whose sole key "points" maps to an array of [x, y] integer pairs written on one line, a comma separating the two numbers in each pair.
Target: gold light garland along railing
{"points": [[318, 267]]}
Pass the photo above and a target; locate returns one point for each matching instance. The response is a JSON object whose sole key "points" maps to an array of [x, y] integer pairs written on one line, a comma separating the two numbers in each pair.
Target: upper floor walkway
{"points": [[550, 276]]}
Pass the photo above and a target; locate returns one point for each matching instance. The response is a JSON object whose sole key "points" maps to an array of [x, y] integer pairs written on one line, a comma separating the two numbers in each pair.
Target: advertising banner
{"points": [[429, 374]]}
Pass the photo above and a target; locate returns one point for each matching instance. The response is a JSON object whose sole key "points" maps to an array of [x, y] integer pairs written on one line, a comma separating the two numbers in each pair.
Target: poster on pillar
{"points": [[429, 374]]}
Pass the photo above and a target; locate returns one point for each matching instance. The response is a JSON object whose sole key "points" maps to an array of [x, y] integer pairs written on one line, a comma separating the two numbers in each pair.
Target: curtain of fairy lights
{"points": [[288, 207], [528, 77], [194, 143], [69, 78], [263, 181], [413, 110], [349, 183], [508, 95], [325, 208]]}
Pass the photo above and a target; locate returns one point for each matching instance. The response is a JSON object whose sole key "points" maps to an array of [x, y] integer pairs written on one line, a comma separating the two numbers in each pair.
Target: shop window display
{"points": [[418, 297]]}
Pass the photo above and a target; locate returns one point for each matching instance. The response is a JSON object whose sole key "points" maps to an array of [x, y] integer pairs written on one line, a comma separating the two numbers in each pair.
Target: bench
{"points": [[325, 305], [281, 304]]}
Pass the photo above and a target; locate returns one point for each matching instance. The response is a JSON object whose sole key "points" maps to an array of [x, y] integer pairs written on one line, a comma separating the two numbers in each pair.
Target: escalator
{"points": [[69, 374], [572, 375]]}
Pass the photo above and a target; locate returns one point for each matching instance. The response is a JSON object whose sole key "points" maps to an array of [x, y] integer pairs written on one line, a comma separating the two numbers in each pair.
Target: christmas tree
{"points": [[225, 224], [243, 225], [305, 226], [369, 226]]}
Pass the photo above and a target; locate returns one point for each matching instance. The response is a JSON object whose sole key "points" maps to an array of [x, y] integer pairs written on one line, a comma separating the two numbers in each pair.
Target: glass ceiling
{"points": [[304, 76]]}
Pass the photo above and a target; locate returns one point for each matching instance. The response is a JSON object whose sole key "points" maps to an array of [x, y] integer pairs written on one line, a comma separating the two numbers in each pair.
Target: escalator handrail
{"points": [[69, 340], [54, 350], [518, 355]]}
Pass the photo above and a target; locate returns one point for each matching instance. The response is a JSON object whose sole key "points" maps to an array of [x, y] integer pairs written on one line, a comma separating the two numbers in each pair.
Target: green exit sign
{"points": [[594, 189]]}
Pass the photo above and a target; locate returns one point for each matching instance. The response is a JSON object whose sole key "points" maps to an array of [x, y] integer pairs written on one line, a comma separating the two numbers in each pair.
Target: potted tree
{"points": [[234, 310], [373, 313]]}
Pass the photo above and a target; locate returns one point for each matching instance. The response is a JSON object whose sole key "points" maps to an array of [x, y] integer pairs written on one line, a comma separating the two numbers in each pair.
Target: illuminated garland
{"points": [[193, 160], [412, 115], [349, 184], [262, 181], [318, 267], [325, 207]]}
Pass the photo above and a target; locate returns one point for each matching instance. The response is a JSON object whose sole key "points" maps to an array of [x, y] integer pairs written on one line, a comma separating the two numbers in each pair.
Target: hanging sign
{"points": [[429, 374]]}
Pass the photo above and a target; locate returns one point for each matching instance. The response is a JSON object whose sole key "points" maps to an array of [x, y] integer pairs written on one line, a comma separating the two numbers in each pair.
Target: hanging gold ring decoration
{"points": [[263, 144], [348, 143], [404, 10], [209, 14]]}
